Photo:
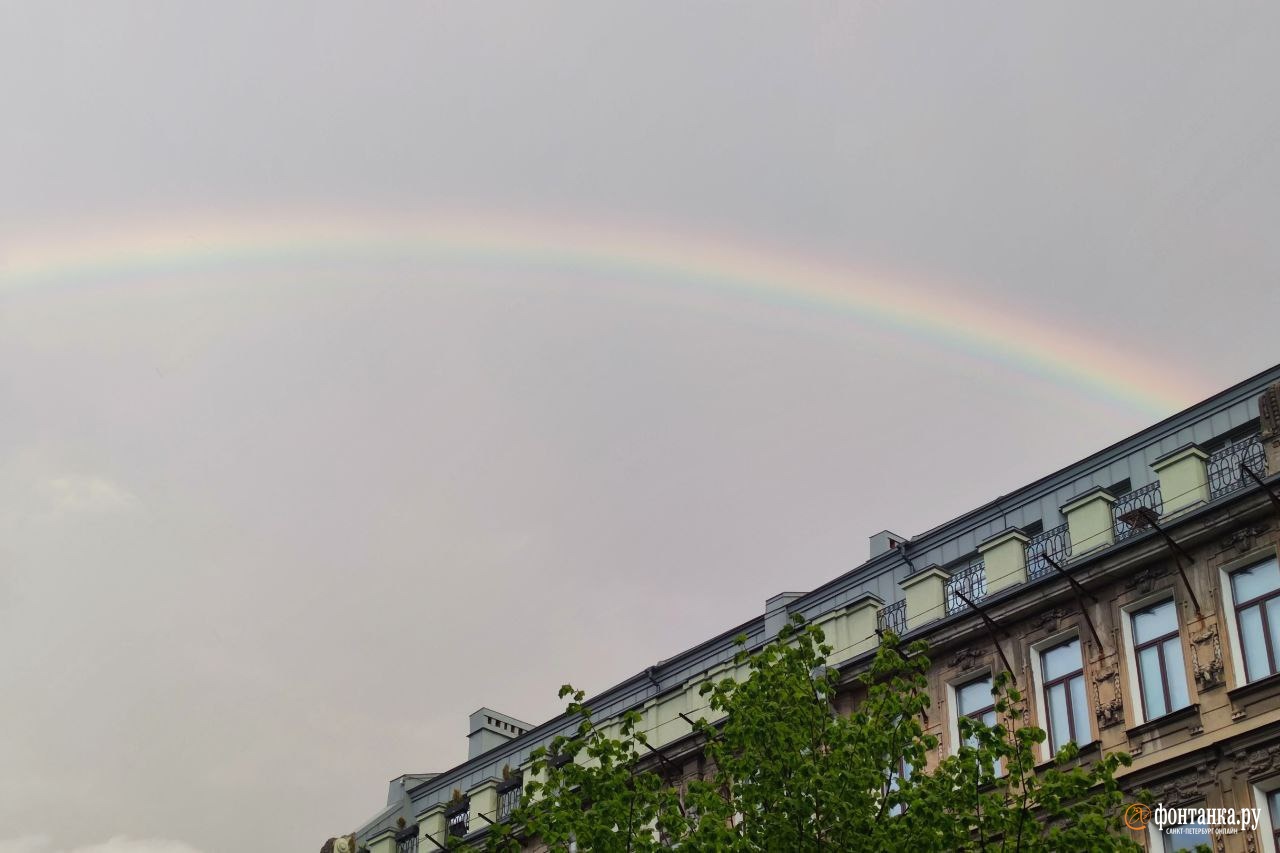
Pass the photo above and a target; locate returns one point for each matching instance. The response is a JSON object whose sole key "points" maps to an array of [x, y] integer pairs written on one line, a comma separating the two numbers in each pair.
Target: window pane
{"points": [[1177, 676], [1273, 624], [1154, 622], [1257, 580], [1255, 649], [974, 695], [1189, 836], [1273, 803], [1152, 683], [1060, 660], [1056, 706], [1080, 711]]}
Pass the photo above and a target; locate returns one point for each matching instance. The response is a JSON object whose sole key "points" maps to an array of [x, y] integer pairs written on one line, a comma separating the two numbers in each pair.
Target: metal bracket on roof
{"points": [[1147, 517], [993, 629], [1271, 493], [1080, 593]]}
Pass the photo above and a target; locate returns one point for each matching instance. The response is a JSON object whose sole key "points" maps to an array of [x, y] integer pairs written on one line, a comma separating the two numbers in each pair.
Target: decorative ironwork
{"points": [[1056, 542], [970, 581], [509, 796], [1225, 475], [1131, 511], [457, 817], [893, 618], [407, 840]]}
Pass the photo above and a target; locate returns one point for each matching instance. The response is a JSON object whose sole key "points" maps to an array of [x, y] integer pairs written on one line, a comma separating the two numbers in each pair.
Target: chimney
{"points": [[776, 613], [885, 541], [490, 729]]}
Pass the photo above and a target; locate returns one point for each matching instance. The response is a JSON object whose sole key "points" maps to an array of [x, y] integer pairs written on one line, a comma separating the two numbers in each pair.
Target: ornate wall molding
{"points": [[967, 659], [1206, 657], [1144, 581], [1050, 620], [1242, 540]]}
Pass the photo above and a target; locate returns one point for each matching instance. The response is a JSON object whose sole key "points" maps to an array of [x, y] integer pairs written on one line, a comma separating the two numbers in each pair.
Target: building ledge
{"points": [[1088, 753], [1160, 725], [1270, 684]]}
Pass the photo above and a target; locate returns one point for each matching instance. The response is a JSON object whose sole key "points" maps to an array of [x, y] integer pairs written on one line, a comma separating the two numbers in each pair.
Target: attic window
{"points": [[1123, 487], [1033, 528]]}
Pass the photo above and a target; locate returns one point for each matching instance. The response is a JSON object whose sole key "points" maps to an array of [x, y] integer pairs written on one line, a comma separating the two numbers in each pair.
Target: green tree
{"points": [[788, 773]]}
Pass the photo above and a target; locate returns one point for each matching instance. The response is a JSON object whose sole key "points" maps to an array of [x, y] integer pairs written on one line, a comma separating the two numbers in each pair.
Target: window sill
{"points": [[1088, 752], [1262, 685], [1161, 723]]}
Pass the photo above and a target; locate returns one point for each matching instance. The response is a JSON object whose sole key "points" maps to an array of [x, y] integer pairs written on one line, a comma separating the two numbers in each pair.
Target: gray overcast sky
{"points": [[270, 530]]}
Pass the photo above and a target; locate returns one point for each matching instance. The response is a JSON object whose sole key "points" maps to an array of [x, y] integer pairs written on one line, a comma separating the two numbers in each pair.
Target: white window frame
{"points": [[1131, 656], [1261, 555], [1037, 679], [1259, 791], [1155, 837], [953, 700]]}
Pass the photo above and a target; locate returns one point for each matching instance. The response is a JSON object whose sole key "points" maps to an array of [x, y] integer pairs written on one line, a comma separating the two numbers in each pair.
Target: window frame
{"points": [[1134, 667], [1038, 650], [987, 674], [1234, 639], [1156, 837], [1268, 830]]}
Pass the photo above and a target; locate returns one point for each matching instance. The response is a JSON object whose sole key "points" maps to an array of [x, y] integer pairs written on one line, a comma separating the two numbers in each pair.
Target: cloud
{"points": [[83, 493], [118, 844]]}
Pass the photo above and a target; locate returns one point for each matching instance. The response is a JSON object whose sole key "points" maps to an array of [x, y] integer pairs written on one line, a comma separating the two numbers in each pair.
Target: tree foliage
{"points": [[785, 772]]}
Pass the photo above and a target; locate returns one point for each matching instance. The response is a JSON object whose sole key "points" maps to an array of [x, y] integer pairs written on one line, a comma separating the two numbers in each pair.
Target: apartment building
{"points": [[1134, 595]]}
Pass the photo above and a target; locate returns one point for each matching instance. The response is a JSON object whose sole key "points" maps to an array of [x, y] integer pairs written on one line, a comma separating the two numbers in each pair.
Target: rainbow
{"points": [[1032, 350]]}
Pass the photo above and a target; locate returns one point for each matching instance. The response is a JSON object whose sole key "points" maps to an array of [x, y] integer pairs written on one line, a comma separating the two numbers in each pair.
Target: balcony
{"points": [[893, 618], [509, 796], [1224, 466], [1054, 543], [970, 582], [407, 840], [457, 818], [1132, 511]]}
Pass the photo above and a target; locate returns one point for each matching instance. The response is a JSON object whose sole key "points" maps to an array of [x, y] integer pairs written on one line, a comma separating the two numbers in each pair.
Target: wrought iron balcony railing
{"points": [[893, 618], [1055, 542], [407, 840], [1225, 475], [509, 796], [457, 818], [1131, 510], [970, 582]]}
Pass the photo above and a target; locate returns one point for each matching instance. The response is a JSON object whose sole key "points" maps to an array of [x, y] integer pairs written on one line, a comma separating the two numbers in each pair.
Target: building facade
{"points": [[1135, 597]]}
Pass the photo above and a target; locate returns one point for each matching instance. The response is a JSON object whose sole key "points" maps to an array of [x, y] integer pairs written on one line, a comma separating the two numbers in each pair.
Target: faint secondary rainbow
{"points": [[163, 251]]}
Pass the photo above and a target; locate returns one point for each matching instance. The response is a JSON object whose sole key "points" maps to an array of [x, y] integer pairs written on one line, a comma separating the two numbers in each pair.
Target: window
{"points": [[976, 701], [1157, 650], [1185, 836], [1273, 812], [1256, 593], [1266, 798], [1066, 708], [899, 773]]}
